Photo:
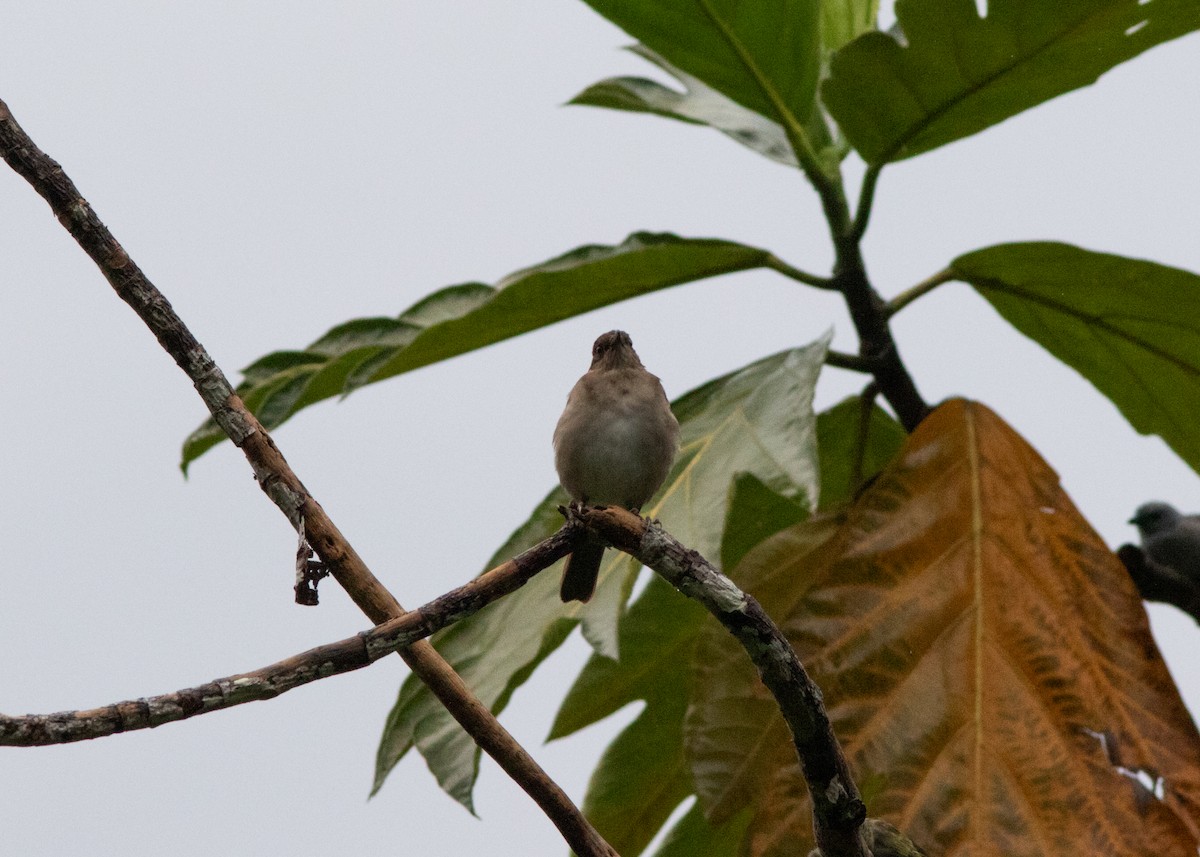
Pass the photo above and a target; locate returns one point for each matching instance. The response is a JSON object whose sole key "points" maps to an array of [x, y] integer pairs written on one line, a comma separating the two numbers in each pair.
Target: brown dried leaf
{"points": [[986, 662]]}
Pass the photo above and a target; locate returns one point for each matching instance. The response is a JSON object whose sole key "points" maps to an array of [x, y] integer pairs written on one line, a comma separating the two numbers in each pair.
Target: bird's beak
{"points": [[1133, 521]]}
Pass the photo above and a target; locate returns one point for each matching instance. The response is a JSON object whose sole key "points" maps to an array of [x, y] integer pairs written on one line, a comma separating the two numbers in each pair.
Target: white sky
{"points": [[280, 167]]}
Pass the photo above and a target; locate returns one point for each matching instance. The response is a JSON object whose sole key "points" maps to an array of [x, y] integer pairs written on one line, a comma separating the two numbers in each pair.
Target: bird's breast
{"points": [[615, 442]]}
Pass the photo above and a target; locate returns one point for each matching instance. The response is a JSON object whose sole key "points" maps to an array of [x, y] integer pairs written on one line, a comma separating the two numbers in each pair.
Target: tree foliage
{"points": [[985, 659]]}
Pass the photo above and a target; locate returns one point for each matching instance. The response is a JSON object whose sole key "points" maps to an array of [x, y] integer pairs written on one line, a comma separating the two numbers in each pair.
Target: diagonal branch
{"points": [[332, 659], [276, 478], [838, 810]]}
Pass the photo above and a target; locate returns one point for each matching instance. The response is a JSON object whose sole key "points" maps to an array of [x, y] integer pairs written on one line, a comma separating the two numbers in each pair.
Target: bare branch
{"points": [[268, 682], [276, 478], [838, 810]]}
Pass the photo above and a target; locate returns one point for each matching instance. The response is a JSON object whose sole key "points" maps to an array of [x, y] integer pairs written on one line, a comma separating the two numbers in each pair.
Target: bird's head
{"points": [[614, 350], [1154, 517]]}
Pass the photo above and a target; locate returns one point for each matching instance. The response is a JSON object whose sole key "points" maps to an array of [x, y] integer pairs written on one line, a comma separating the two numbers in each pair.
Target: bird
{"points": [[614, 445], [1170, 538]]}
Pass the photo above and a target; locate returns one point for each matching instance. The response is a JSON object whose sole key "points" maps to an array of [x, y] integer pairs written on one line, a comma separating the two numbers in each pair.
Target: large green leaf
{"points": [[458, 319], [494, 651], [757, 420], [693, 835], [735, 738], [843, 21], [766, 56], [643, 775], [949, 74], [698, 103], [855, 445], [755, 512], [1129, 326]]}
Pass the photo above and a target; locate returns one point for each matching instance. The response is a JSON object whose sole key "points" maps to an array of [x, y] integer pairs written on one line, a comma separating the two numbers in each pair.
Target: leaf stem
{"points": [[906, 297], [777, 264], [853, 362], [866, 198]]}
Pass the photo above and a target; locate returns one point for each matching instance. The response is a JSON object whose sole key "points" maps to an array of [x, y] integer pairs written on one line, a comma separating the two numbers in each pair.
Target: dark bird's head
{"points": [[614, 350], [1155, 517]]}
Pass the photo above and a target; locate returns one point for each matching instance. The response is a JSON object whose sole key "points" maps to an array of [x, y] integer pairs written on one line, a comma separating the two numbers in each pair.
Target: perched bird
{"points": [[1169, 538], [614, 445]]}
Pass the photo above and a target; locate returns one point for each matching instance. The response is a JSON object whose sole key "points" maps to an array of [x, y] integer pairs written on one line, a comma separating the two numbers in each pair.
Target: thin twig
{"points": [[907, 296], [282, 485], [838, 810], [267, 682]]}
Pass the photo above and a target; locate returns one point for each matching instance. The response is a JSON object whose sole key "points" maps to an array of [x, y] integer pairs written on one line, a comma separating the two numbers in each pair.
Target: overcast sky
{"points": [[277, 168]]}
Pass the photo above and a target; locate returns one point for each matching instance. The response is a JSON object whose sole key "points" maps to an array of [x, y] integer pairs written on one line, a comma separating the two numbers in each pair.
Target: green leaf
{"points": [[458, 319], [1129, 326], [755, 512], [852, 451], [735, 737], [948, 74], [766, 56], [656, 635], [697, 104], [843, 21], [494, 652], [692, 835], [757, 420], [642, 775], [641, 778]]}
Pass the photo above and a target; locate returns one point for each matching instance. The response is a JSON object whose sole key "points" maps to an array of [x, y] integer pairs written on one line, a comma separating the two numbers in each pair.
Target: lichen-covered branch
{"points": [[838, 810], [276, 478], [268, 682]]}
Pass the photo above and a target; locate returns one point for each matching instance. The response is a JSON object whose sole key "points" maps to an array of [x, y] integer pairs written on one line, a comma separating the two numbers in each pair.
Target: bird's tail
{"points": [[581, 571]]}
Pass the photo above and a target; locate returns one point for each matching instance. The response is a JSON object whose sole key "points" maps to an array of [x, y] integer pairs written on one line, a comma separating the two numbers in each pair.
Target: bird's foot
{"points": [[573, 511]]}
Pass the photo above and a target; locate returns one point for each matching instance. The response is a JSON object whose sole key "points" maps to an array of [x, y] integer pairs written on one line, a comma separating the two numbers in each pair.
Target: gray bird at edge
{"points": [[614, 445], [1169, 538]]}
